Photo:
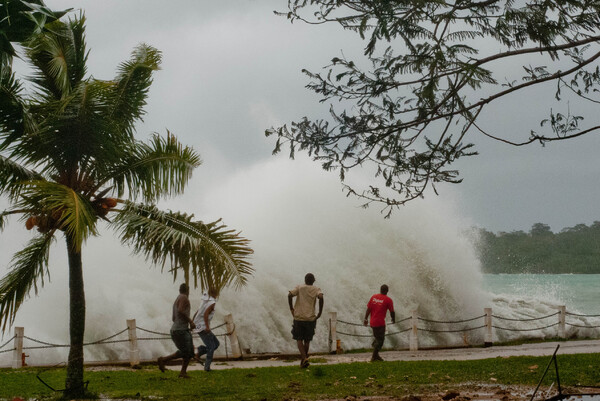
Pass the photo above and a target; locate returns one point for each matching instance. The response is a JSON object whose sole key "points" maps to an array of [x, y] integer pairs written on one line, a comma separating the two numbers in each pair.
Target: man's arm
{"points": [[290, 297], [393, 316], [320, 296], [367, 313], [206, 314], [183, 305]]}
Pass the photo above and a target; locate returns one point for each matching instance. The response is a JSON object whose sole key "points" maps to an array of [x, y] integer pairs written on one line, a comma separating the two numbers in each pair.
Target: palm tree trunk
{"points": [[74, 383]]}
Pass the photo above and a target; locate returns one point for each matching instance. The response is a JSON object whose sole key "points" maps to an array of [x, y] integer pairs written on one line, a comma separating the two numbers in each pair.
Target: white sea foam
{"points": [[299, 222]]}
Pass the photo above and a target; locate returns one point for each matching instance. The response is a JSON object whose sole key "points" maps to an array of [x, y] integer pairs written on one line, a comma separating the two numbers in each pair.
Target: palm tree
{"points": [[69, 159], [19, 20]]}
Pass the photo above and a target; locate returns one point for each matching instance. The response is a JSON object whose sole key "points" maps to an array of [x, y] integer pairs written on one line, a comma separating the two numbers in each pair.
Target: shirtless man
{"points": [[180, 333]]}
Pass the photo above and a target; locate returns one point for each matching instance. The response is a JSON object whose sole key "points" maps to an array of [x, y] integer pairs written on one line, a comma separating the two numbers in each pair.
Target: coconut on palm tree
{"points": [[69, 159]]}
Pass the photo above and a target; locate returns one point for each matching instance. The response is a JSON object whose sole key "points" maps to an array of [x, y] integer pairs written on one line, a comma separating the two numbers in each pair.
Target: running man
{"points": [[202, 320], [180, 332]]}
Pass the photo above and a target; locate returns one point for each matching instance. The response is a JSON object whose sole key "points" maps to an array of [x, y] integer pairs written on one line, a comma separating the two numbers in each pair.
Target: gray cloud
{"points": [[232, 69]]}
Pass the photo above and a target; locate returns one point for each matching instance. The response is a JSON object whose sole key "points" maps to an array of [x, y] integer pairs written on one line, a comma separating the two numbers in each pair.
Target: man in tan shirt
{"points": [[303, 312]]}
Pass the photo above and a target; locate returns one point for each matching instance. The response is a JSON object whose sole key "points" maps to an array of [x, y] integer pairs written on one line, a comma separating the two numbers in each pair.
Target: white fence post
{"points": [[18, 350], [236, 351], [488, 338], [332, 332], [414, 334], [562, 314], [134, 352]]}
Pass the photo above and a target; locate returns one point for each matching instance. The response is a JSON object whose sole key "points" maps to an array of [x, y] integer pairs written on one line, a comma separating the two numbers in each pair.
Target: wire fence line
{"points": [[453, 331], [451, 321], [433, 322], [427, 326], [580, 315], [532, 329], [525, 320], [104, 341], [7, 343]]}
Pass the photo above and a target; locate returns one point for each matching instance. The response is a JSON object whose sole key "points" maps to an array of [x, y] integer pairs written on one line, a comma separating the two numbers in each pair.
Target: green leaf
{"points": [[28, 269], [211, 253]]}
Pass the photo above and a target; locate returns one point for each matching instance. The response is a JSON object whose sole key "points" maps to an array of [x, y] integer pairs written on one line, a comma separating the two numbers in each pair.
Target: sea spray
{"points": [[299, 221]]}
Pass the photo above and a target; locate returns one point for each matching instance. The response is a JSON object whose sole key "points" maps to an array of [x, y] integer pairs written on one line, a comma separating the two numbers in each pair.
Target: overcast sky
{"points": [[232, 69]]}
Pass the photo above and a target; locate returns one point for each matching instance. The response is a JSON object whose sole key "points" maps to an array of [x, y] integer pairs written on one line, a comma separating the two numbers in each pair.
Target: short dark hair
{"points": [[183, 288], [309, 278], [384, 289]]}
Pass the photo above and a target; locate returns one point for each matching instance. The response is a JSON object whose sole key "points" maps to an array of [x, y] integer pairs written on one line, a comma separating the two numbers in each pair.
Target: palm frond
{"points": [[59, 57], [3, 216], [72, 129], [161, 167], [12, 107], [28, 267], [216, 255], [20, 19], [132, 83], [57, 206], [13, 176]]}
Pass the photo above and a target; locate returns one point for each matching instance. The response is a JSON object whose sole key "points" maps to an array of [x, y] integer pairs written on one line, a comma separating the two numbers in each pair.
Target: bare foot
{"points": [[161, 364]]}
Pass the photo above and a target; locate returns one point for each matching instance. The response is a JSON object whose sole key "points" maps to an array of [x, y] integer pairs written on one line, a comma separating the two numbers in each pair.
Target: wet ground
{"points": [[538, 349]]}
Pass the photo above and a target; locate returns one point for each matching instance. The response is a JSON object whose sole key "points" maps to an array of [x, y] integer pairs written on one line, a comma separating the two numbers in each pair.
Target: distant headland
{"points": [[572, 250]]}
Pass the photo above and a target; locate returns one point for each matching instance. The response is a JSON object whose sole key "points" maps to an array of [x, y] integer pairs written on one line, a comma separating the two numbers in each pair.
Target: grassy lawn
{"points": [[317, 382]]}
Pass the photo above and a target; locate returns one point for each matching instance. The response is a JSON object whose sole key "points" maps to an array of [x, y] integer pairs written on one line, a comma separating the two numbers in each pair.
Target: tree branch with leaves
{"points": [[430, 71]]}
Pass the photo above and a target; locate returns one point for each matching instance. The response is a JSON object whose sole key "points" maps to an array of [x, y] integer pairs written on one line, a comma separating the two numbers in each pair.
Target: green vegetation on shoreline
{"points": [[318, 382], [572, 250]]}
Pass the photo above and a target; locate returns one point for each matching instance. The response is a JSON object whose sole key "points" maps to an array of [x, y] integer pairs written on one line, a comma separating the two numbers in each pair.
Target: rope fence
{"points": [[533, 329], [525, 320], [579, 315], [437, 326], [451, 321], [5, 344], [229, 336], [413, 325]]}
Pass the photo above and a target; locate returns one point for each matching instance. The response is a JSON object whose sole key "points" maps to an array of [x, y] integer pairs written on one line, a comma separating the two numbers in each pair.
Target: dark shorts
{"points": [[379, 334], [303, 330], [184, 343]]}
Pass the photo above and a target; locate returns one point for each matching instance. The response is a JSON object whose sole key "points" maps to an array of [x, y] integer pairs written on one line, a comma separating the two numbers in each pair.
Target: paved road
{"points": [[463, 354]]}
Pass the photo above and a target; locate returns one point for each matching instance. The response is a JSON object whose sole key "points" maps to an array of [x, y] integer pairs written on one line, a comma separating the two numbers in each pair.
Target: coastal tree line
{"points": [[572, 250]]}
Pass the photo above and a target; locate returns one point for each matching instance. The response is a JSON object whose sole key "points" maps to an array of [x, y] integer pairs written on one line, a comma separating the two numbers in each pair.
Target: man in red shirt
{"points": [[377, 307]]}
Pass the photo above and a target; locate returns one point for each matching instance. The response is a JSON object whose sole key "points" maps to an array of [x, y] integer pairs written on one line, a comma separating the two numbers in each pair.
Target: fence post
{"points": [[134, 352], [236, 352], [18, 350], [414, 334], [562, 313], [332, 332], [488, 338]]}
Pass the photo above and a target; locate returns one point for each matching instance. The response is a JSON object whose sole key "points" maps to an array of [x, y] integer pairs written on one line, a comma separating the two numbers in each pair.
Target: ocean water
{"points": [[580, 293], [519, 297]]}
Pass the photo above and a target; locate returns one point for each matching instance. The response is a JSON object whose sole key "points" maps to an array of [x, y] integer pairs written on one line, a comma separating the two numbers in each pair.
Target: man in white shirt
{"points": [[202, 320]]}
